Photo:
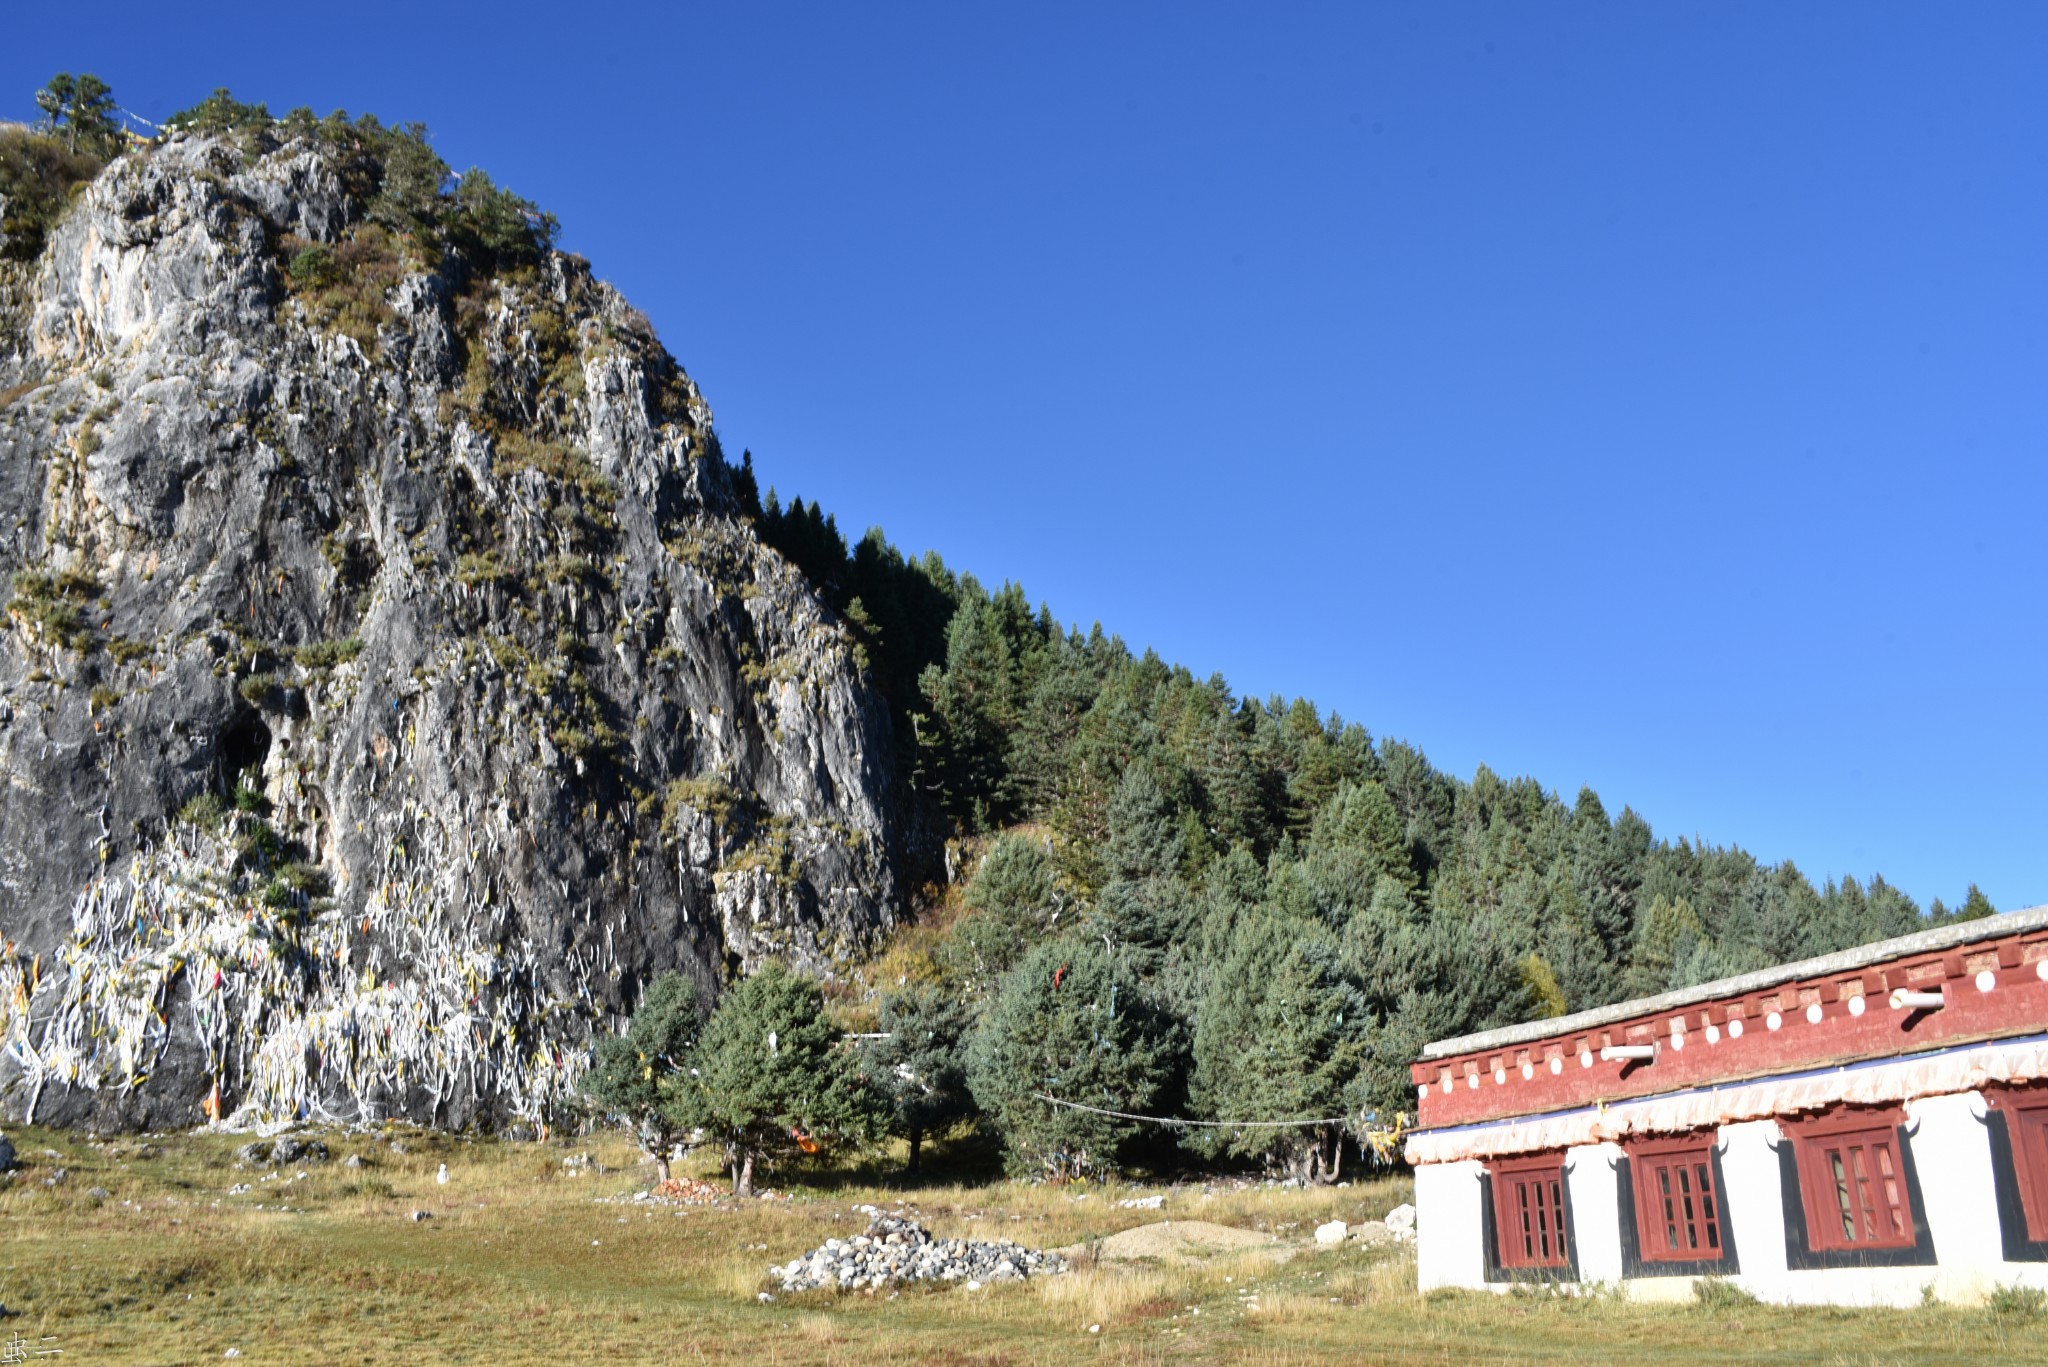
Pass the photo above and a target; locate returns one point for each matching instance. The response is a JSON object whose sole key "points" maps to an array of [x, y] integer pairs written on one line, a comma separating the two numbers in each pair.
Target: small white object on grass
{"points": [[442, 1175], [1094, 1328]]}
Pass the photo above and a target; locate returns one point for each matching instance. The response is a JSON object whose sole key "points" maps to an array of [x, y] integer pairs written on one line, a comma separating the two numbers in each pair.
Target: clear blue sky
{"points": [[1646, 396]]}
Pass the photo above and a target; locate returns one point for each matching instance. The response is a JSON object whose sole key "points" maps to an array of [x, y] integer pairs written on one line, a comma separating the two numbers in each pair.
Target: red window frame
{"points": [[1678, 1203], [1528, 1211], [2026, 1125], [1852, 1180]]}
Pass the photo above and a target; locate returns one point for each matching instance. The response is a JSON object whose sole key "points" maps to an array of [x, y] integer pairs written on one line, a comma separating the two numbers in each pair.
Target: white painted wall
{"points": [[1596, 1211], [1954, 1164], [1951, 1155], [1749, 1174], [1448, 1229]]}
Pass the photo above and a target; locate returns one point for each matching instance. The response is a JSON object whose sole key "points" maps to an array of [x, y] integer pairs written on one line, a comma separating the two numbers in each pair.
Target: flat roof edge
{"points": [[1841, 961]]}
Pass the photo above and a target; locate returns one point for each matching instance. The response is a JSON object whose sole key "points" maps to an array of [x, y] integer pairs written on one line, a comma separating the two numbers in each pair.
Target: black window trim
{"points": [[1489, 1236], [1800, 1257], [2012, 1215], [1634, 1265]]}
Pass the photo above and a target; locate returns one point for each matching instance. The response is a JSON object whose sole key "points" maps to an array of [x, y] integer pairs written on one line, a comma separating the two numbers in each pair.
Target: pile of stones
{"points": [[896, 1249]]}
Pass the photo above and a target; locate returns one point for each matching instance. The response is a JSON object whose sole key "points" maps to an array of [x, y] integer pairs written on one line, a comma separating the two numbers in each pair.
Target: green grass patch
{"points": [[525, 1259]]}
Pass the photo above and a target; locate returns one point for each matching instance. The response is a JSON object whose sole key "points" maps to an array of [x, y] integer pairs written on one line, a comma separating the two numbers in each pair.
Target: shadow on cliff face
{"points": [[243, 747]]}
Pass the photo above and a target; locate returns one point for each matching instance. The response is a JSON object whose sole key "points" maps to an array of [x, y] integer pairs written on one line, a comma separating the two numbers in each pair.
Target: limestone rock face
{"points": [[389, 684]]}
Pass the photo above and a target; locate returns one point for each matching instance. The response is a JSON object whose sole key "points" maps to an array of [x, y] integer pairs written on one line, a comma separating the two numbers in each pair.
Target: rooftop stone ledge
{"points": [[1841, 961]]}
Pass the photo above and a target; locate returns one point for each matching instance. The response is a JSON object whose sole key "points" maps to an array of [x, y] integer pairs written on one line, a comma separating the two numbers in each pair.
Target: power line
{"points": [[1174, 1123]]}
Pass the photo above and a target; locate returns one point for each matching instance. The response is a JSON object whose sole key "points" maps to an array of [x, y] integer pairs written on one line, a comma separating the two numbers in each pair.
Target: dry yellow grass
{"points": [[523, 1263]]}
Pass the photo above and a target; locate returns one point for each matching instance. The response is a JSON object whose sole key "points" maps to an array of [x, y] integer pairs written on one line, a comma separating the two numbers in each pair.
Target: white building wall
{"points": [[1449, 1229], [1954, 1164], [1596, 1211], [1755, 1205], [1952, 1156], [1958, 1204]]}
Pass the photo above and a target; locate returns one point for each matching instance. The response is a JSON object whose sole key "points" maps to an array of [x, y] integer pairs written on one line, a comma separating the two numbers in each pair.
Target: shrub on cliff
{"points": [[38, 173]]}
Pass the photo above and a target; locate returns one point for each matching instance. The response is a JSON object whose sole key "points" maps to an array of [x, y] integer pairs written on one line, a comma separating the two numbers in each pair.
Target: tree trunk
{"points": [[916, 1143], [743, 1183], [661, 1165]]}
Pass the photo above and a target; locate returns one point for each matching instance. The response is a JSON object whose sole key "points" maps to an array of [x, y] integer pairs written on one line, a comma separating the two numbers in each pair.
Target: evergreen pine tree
{"points": [[82, 108], [1604, 874], [1665, 939], [1073, 1023], [1012, 903], [1144, 907], [922, 1063], [633, 1075], [769, 1076], [1281, 1034]]}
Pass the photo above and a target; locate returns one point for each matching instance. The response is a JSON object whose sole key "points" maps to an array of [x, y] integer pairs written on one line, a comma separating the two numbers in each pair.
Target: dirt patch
{"points": [[1175, 1241]]}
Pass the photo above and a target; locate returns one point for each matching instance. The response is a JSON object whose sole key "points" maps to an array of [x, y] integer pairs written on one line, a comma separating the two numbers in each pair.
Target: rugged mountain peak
{"points": [[389, 685]]}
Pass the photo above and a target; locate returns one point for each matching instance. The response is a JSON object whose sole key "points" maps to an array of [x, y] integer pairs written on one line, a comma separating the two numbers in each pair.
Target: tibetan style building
{"points": [[1850, 1129]]}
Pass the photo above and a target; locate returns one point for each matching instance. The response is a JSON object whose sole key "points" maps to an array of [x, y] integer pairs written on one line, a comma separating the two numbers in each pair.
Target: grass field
{"points": [[524, 1262]]}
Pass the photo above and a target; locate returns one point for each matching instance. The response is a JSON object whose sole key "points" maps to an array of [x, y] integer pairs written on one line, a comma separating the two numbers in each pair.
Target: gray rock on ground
{"points": [[281, 1151]]}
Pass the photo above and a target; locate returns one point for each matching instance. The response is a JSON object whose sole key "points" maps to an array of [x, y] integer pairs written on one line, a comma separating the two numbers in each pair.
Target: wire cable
{"points": [[1176, 1123]]}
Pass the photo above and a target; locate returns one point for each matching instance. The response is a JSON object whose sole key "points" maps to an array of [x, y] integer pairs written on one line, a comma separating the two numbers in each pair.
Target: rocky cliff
{"points": [[389, 687]]}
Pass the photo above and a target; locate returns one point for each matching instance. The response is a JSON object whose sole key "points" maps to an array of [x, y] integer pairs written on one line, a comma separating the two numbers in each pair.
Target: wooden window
{"points": [[2026, 1126], [1678, 1203], [1852, 1181], [1528, 1211]]}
